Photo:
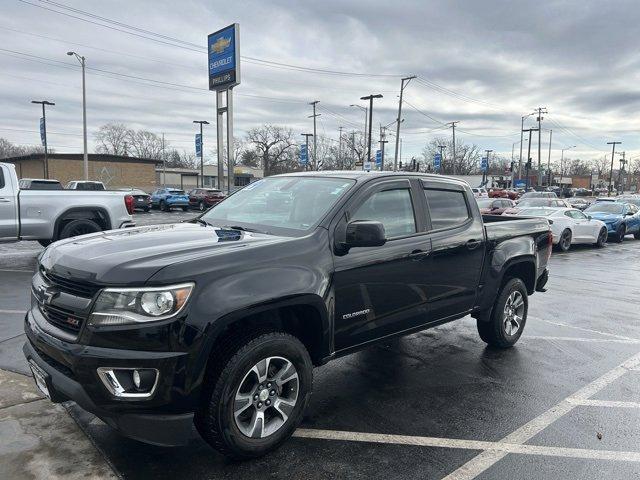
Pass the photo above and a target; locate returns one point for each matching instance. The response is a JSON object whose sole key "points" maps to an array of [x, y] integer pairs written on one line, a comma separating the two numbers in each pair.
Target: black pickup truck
{"points": [[219, 321]]}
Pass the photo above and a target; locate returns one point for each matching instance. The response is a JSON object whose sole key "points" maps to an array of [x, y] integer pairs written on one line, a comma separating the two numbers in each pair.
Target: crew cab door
{"points": [[458, 248], [381, 290], [8, 206]]}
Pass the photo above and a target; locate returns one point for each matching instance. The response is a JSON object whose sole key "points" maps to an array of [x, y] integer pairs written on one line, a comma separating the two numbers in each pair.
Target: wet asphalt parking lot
{"points": [[564, 403]]}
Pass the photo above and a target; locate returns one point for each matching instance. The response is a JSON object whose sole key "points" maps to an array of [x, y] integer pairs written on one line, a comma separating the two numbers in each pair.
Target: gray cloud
{"points": [[578, 58]]}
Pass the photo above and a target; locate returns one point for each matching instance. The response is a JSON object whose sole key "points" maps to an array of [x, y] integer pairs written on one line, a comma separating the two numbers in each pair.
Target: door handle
{"points": [[418, 254], [4, 200], [473, 244]]}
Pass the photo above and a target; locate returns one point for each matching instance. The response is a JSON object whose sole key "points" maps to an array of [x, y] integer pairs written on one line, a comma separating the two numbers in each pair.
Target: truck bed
{"points": [[500, 227]]}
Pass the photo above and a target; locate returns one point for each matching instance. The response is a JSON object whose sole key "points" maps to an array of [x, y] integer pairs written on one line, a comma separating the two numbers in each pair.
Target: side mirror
{"points": [[365, 233], [588, 217], [628, 214]]}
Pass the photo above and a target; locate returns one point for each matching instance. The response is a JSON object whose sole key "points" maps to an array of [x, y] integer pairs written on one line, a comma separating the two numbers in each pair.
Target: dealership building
{"points": [[115, 171]]}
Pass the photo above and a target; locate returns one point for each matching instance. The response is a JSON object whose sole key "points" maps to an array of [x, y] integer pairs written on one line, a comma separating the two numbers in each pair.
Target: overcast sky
{"points": [[483, 63]]}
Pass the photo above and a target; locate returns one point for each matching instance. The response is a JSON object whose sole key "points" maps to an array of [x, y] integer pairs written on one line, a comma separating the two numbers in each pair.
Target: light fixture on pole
{"points": [[43, 133], [85, 156], [370, 98]]}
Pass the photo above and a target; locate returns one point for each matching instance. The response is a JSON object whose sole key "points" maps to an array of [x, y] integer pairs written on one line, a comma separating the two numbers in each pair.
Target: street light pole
{"points": [[562, 159], [613, 153], [81, 59], [315, 143], [402, 87], [370, 98], [44, 128], [203, 122]]}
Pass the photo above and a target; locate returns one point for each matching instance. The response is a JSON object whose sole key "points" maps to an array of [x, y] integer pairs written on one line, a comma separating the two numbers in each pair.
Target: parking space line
{"points": [[500, 447], [604, 403], [561, 324], [580, 339], [488, 458], [20, 312], [8, 270]]}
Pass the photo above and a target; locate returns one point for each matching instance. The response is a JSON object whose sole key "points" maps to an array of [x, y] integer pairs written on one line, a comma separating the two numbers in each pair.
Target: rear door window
{"points": [[447, 208]]}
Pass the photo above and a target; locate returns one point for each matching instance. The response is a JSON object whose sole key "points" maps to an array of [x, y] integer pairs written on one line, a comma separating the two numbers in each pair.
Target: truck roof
{"points": [[361, 175]]}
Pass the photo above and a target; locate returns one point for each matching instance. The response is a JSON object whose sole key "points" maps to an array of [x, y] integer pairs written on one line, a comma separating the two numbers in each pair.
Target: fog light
{"points": [[129, 382]]}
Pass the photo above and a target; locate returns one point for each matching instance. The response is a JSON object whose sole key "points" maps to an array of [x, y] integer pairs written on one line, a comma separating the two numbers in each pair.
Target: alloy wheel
{"points": [[513, 313], [267, 395]]}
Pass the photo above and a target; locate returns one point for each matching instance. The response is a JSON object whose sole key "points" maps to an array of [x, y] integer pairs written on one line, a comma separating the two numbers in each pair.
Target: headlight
{"points": [[124, 306]]}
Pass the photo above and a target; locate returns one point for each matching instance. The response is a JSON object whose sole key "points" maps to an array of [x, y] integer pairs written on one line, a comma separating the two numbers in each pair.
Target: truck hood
{"points": [[133, 255]]}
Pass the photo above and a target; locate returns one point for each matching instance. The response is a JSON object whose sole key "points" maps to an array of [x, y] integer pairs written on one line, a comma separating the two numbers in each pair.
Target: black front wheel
{"points": [[504, 325], [79, 227], [164, 207], [602, 238], [564, 244], [255, 394], [620, 233]]}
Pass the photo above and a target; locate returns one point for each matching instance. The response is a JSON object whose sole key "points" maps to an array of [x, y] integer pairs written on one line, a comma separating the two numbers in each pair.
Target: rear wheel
{"points": [[164, 207], [637, 235], [620, 233], [255, 394], [146, 209], [201, 206], [508, 317], [185, 209], [564, 244], [79, 227], [602, 238]]}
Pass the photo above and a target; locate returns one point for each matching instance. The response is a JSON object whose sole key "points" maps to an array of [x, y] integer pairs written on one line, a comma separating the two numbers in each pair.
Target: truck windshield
{"points": [[296, 203]]}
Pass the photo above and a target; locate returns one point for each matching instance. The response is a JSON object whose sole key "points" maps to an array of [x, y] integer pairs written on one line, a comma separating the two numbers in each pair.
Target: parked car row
{"points": [[574, 221], [201, 198]]}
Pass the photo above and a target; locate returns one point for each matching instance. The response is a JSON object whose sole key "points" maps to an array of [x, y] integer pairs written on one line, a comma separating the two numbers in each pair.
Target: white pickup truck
{"points": [[49, 215]]}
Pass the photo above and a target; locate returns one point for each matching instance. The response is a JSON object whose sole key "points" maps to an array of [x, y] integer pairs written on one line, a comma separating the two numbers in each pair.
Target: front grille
{"points": [[62, 318], [72, 287]]}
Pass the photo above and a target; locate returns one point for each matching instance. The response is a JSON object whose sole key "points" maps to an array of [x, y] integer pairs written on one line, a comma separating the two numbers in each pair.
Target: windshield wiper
{"points": [[202, 222], [241, 228]]}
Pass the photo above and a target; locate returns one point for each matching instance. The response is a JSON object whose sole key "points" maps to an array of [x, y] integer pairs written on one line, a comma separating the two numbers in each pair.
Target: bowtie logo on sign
{"points": [[221, 44]]}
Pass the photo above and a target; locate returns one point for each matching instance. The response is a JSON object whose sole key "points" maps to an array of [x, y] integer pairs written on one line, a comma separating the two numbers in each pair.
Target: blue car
{"points": [[621, 218], [167, 198]]}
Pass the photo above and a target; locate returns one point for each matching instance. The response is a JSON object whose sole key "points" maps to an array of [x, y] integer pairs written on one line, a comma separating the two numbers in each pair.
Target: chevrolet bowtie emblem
{"points": [[45, 295], [221, 44]]}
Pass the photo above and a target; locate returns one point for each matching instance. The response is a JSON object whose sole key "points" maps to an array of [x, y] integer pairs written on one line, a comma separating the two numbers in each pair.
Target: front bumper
{"points": [[70, 373]]}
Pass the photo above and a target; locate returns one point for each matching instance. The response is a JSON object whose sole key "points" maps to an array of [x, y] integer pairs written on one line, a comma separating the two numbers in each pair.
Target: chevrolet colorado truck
{"points": [[219, 321], [50, 215]]}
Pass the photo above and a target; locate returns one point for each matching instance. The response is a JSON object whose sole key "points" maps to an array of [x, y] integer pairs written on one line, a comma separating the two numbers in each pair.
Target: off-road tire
{"points": [[492, 329]]}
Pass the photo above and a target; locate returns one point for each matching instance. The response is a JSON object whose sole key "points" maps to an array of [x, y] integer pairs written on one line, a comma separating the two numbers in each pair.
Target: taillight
{"points": [[128, 202]]}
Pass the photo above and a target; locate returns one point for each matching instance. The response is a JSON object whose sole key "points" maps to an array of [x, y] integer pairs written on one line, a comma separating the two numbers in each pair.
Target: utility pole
{"points": [[528, 164], [549, 160], [306, 140], [164, 164], [453, 130], [403, 84], [202, 122], [353, 147], [613, 154], [44, 134], [541, 110], [315, 144], [81, 59], [623, 163], [340, 149], [370, 98], [522, 119]]}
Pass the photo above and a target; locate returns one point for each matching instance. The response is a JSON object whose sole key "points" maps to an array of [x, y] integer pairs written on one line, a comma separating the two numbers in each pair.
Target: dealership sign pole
{"points": [[224, 74]]}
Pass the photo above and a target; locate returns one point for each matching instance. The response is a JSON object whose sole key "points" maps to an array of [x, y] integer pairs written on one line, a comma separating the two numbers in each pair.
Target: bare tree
{"points": [[8, 149], [145, 144], [276, 147], [467, 159], [112, 138]]}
